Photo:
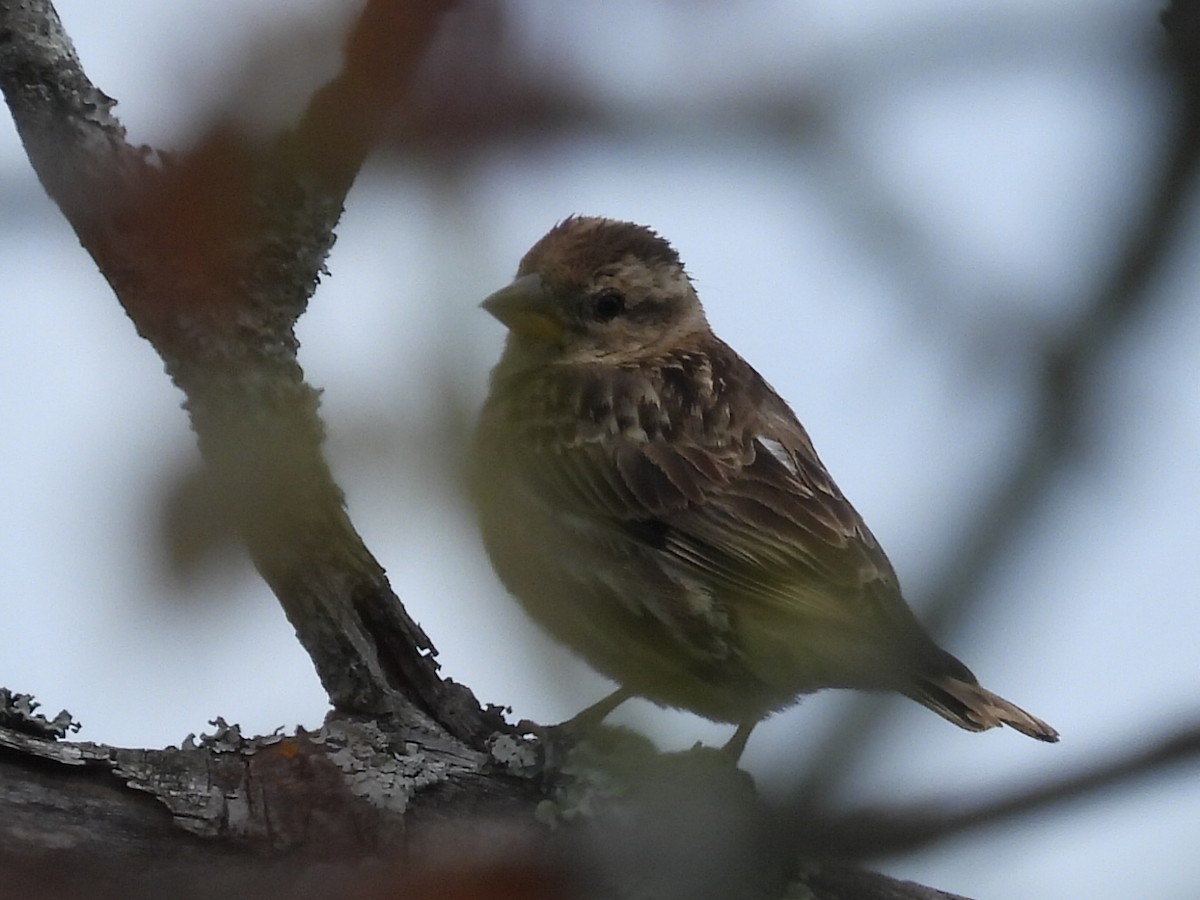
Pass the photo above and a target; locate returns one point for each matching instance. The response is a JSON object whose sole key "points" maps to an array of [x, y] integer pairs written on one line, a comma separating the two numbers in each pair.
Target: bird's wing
{"points": [[779, 529], [733, 492]]}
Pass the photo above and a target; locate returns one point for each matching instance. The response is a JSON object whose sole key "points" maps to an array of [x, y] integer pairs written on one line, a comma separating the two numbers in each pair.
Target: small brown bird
{"points": [[655, 505]]}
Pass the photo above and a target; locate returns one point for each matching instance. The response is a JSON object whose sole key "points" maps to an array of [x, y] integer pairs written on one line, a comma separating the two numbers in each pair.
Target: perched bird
{"points": [[658, 508]]}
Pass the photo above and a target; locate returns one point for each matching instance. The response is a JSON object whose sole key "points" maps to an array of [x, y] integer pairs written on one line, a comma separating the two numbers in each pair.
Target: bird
{"points": [[653, 504]]}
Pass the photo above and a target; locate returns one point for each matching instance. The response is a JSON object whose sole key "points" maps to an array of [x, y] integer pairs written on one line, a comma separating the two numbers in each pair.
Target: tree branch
{"points": [[235, 817], [875, 833], [349, 811], [214, 255]]}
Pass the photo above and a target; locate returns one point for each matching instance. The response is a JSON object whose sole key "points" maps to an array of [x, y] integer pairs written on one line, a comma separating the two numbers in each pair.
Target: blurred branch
{"points": [[1069, 367], [214, 255], [346, 117], [481, 92], [872, 833]]}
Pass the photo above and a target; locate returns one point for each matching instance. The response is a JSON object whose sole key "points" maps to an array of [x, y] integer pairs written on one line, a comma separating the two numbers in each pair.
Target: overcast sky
{"points": [[1010, 168]]}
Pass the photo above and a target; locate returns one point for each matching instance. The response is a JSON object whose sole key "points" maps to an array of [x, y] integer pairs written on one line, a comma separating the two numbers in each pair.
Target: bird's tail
{"points": [[969, 705]]}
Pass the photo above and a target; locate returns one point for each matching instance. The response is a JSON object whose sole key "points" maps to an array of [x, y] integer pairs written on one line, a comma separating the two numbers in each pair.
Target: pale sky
{"points": [[912, 381]]}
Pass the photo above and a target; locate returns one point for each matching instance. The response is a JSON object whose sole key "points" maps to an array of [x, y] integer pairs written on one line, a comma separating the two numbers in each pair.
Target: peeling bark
{"points": [[353, 811]]}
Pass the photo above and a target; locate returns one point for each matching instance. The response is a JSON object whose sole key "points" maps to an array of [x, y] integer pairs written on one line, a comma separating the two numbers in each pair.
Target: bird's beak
{"points": [[528, 309]]}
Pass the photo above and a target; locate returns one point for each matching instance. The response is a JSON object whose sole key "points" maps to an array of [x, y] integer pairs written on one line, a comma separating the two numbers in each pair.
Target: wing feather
{"points": [[729, 481]]}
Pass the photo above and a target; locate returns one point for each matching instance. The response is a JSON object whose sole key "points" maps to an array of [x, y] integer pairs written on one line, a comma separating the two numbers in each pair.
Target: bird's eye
{"points": [[607, 305]]}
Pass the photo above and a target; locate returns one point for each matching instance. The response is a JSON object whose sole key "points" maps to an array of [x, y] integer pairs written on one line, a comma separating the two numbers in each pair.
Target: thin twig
{"points": [[874, 833]]}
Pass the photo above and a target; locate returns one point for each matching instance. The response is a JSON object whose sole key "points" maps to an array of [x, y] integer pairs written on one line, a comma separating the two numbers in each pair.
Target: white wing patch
{"points": [[780, 453]]}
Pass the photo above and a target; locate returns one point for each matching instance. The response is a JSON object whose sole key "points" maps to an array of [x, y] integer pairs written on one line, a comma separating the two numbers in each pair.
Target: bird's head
{"points": [[596, 289]]}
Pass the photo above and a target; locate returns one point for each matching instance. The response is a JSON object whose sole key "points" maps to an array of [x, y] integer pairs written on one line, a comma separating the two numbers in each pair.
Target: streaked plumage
{"points": [[655, 505]]}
